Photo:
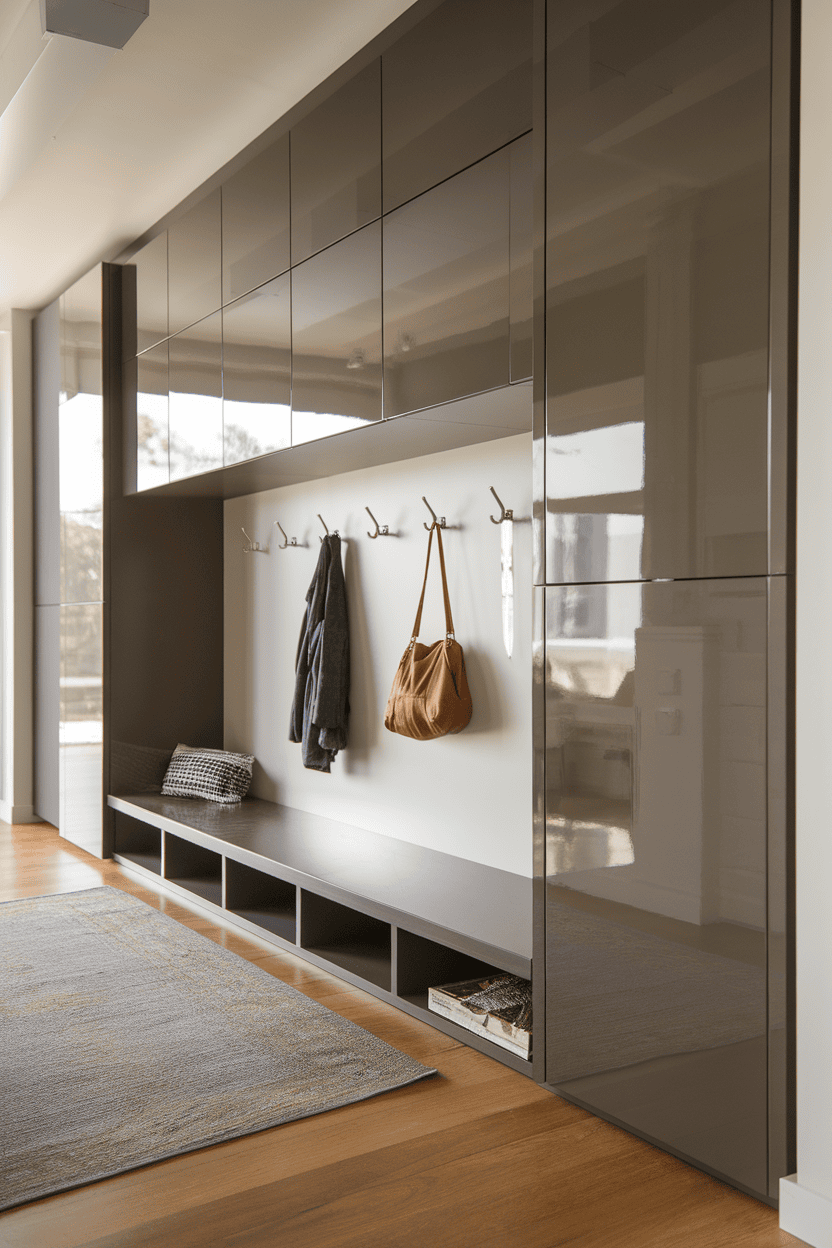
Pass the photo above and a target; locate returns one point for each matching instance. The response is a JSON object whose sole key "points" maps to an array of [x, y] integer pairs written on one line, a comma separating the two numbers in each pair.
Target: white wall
{"points": [[806, 1198], [469, 795], [16, 585]]}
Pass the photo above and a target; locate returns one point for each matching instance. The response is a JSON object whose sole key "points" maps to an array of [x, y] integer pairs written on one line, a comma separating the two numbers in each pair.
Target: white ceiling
{"points": [[198, 81]]}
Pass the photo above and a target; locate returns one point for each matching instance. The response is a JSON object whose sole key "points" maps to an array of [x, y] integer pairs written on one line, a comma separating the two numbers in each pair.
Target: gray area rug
{"points": [[125, 1038]]}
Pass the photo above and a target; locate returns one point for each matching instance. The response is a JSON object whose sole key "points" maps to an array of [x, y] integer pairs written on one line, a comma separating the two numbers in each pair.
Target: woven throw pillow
{"points": [[218, 775]]}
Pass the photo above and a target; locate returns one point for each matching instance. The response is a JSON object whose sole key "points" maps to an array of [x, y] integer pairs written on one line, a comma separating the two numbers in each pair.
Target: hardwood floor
{"points": [[479, 1156]]}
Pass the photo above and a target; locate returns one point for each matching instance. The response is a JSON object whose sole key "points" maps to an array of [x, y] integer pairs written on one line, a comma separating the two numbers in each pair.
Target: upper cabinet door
{"points": [[81, 408], [454, 89], [145, 297], [195, 441], [257, 372], [336, 165], [194, 249], [336, 337], [255, 222], [658, 137], [446, 290]]}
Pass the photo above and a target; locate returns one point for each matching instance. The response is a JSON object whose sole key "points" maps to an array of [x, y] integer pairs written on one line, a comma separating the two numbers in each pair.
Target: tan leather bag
{"points": [[430, 695]]}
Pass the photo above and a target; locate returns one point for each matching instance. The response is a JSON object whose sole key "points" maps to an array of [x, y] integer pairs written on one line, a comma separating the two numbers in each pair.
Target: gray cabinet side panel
{"points": [[165, 634], [47, 710], [47, 382]]}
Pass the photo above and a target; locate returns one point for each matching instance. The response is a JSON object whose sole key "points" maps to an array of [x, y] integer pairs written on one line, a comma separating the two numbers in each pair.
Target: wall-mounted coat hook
{"points": [[282, 545], [253, 548], [381, 530], [504, 514], [439, 521], [335, 533]]}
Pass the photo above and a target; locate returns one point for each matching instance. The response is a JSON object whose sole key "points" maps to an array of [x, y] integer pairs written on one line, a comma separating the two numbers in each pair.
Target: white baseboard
{"points": [[18, 814], [805, 1213]]}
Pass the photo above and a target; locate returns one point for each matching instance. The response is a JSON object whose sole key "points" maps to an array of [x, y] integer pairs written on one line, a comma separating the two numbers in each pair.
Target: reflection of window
{"points": [[597, 461], [80, 425], [252, 429]]}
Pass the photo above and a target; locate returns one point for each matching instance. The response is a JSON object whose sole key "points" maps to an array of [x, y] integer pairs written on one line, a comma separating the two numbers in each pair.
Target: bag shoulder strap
{"points": [[449, 622]]}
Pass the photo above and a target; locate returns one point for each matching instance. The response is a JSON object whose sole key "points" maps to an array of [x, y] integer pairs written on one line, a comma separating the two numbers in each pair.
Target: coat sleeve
{"points": [[330, 709]]}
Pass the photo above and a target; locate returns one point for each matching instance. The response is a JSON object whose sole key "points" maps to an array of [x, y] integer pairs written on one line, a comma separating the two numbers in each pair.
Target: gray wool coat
{"points": [[321, 706]]}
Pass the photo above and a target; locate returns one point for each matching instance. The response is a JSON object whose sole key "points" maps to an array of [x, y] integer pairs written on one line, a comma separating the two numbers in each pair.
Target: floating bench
{"points": [[391, 917]]}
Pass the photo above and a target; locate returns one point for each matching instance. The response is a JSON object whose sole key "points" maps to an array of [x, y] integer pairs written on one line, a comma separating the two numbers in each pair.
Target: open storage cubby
{"points": [[357, 942], [193, 868], [424, 964], [334, 893], [261, 899], [138, 842]]}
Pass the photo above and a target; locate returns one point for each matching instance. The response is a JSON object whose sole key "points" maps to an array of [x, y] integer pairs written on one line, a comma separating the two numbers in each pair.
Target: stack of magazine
{"points": [[498, 1007]]}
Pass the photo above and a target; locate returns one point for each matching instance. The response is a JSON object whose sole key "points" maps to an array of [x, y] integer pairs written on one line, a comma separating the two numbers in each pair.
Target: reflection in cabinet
{"points": [[520, 238], [195, 404], [193, 868], [81, 556], [422, 964], [336, 165], [138, 842], [257, 372], [357, 942], [194, 251], [455, 88], [82, 660], [446, 290], [150, 388], [656, 862], [146, 297], [657, 289], [262, 899], [255, 221], [336, 337]]}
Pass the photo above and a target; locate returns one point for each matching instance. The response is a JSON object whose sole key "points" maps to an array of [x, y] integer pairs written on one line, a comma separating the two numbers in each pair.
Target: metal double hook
{"points": [[282, 545], [504, 514], [381, 530], [335, 533], [253, 548], [438, 521]]}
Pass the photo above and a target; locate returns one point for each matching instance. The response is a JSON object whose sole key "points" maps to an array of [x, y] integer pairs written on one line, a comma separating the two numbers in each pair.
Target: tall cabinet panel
{"points": [[665, 620], [656, 861], [657, 291], [69, 544]]}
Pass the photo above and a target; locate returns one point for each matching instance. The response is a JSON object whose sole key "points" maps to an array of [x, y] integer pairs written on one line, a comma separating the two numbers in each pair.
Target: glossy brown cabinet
{"points": [[659, 957], [447, 289], [336, 337], [69, 448], [336, 165], [195, 399], [255, 221], [194, 264], [455, 88], [657, 293], [145, 297], [151, 416], [257, 372]]}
